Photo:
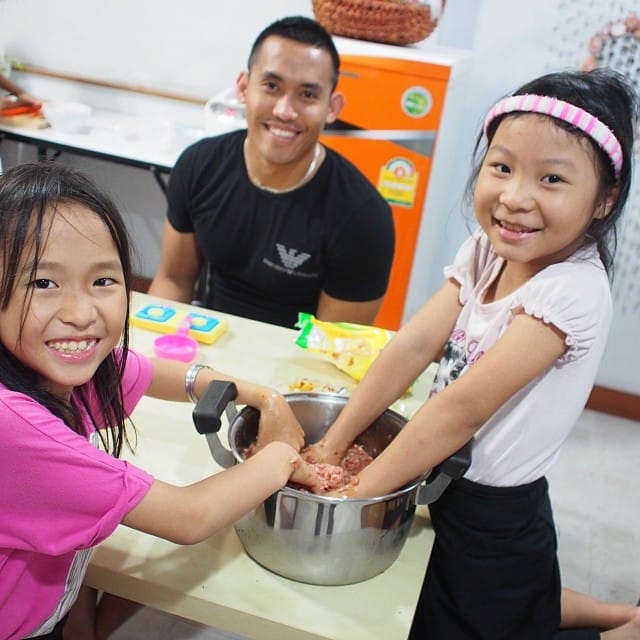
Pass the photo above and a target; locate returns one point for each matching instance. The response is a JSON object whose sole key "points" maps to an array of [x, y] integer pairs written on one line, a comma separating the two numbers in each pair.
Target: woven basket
{"points": [[389, 21]]}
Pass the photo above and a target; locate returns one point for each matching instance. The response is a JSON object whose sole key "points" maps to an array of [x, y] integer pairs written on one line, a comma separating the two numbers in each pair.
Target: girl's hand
{"points": [[306, 475], [348, 490], [277, 421], [322, 478], [324, 452]]}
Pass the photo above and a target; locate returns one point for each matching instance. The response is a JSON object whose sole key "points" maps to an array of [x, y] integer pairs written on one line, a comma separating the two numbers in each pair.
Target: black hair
{"points": [[609, 96], [302, 30], [28, 194]]}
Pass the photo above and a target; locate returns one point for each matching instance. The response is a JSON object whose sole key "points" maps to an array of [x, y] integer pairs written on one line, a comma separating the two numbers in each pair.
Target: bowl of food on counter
{"points": [[320, 539]]}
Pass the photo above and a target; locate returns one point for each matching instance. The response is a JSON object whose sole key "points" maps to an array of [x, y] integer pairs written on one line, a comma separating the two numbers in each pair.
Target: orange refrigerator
{"points": [[389, 128]]}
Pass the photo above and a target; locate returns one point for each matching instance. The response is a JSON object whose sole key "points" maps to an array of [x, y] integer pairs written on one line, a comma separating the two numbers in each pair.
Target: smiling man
{"points": [[278, 222]]}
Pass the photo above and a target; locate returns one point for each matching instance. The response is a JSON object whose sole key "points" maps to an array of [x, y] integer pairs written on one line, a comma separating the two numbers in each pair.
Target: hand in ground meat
{"points": [[319, 452], [324, 478], [331, 479], [307, 477]]}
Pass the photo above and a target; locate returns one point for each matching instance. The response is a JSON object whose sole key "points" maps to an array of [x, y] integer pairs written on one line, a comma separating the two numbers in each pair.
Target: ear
{"points": [[242, 82], [603, 210], [336, 102]]}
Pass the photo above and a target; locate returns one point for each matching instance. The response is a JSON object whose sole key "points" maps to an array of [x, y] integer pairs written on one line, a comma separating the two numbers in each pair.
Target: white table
{"points": [[215, 582]]}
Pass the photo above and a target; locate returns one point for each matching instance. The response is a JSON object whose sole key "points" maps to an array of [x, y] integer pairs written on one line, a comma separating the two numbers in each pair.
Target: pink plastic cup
{"points": [[177, 346]]}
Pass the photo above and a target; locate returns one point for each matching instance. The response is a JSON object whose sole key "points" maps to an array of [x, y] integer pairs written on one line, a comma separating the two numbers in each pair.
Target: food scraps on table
{"points": [[305, 385]]}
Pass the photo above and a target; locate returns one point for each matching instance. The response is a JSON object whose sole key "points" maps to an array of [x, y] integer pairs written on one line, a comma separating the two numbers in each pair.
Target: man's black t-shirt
{"points": [[270, 255]]}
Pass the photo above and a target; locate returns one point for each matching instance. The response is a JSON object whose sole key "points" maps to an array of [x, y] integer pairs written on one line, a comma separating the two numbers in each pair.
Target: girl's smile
{"points": [[74, 348], [514, 233], [66, 317]]}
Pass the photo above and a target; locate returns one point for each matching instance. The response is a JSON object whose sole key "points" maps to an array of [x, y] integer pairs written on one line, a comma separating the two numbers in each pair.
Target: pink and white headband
{"points": [[579, 118]]}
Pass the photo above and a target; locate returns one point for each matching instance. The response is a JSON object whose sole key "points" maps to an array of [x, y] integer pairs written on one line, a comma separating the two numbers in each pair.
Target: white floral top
{"points": [[522, 440]]}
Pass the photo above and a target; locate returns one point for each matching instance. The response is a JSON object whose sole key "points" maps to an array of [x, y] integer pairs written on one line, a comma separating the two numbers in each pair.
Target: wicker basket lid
{"points": [[387, 21]]}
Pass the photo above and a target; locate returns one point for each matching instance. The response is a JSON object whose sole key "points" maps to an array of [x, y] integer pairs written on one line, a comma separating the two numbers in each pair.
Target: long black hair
{"points": [[609, 96], [28, 194]]}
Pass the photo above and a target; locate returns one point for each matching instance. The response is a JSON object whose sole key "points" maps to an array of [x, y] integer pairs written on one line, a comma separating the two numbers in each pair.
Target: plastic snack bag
{"points": [[351, 347]]}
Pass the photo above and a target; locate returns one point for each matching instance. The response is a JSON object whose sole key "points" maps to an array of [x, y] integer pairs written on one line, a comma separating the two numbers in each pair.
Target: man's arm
{"points": [[333, 310], [180, 263]]}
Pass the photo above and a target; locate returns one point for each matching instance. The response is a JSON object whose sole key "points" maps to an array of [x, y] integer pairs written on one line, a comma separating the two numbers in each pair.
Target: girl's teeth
{"points": [[515, 228], [72, 346]]}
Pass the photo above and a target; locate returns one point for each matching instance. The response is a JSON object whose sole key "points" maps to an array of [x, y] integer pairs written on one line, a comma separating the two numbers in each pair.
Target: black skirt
{"points": [[493, 572]]}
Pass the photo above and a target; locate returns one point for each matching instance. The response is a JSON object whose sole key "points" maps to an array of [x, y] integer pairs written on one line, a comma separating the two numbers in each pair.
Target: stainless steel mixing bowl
{"points": [[318, 539]]}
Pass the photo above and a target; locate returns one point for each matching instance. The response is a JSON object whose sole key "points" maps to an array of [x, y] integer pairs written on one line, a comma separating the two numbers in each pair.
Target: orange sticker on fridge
{"points": [[398, 181]]}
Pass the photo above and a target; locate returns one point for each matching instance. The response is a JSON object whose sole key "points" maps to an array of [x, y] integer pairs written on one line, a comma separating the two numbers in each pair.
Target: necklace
{"points": [[311, 168]]}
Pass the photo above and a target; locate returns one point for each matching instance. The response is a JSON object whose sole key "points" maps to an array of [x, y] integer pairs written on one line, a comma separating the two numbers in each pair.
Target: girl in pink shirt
{"points": [[68, 383]]}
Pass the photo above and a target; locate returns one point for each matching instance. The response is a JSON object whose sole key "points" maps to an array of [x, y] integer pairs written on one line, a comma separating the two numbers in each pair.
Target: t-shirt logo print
{"points": [[290, 258]]}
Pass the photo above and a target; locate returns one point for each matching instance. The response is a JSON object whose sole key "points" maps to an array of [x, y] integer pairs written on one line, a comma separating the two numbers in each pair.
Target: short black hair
{"points": [[305, 31]]}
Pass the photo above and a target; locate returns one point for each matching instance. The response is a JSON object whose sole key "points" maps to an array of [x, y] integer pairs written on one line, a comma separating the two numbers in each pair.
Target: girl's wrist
{"points": [[193, 377], [333, 448], [286, 454], [265, 398]]}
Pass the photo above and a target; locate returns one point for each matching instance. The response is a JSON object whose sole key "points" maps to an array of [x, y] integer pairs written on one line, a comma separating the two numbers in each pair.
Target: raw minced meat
{"points": [[355, 459], [332, 476]]}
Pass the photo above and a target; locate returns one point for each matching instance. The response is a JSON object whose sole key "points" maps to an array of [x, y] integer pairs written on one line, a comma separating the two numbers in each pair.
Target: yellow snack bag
{"points": [[351, 347]]}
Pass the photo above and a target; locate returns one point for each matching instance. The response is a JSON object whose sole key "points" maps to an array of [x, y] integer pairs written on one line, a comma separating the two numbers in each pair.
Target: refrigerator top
{"points": [[430, 54]]}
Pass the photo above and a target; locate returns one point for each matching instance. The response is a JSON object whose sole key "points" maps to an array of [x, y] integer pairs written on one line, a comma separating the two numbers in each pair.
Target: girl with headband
{"points": [[519, 328]]}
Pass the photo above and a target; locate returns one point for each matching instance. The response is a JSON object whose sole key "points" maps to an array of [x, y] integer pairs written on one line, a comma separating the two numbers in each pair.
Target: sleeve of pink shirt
{"points": [[59, 492]]}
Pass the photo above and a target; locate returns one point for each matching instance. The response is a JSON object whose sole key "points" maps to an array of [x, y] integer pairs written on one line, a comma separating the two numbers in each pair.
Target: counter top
{"points": [[215, 582], [124, 125]]}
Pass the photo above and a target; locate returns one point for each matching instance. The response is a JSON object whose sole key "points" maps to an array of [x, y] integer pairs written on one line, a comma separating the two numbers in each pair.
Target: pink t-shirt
{"points": [[58, 494]]}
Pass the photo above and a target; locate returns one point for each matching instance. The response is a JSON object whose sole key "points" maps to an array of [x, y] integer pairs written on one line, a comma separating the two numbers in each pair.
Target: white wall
{"points": [[192, 46]]}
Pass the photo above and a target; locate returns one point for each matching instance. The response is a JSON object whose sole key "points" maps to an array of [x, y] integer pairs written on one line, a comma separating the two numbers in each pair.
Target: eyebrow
{"points": [[272, 75], [561, 161], [98, 266]]}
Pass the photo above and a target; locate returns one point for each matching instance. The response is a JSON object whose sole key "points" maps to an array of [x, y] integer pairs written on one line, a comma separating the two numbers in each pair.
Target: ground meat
{"points": [[332, 476], [247, 452], [355, 459]]}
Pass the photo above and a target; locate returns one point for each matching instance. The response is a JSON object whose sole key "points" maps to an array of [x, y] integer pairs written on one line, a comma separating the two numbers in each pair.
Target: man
{"points": [[280, 223]]}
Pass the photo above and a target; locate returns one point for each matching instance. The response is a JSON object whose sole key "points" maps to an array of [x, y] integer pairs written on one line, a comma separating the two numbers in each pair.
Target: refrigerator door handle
{"points": [[421, 142]]}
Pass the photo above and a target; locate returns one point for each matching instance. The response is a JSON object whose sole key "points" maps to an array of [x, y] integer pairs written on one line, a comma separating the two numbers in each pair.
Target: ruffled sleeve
{"points": [[472, 260], [575, 297]]}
